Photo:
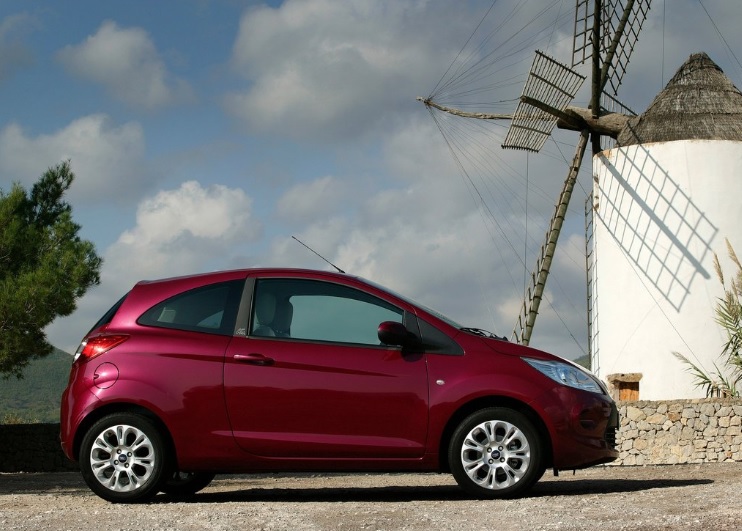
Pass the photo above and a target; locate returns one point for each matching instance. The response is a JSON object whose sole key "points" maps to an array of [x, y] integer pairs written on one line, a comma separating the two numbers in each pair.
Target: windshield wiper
{"points": [[483, 333]]}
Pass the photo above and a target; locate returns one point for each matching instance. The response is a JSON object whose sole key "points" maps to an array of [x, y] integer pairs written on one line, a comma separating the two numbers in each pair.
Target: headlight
{"points": [[566, 374]]}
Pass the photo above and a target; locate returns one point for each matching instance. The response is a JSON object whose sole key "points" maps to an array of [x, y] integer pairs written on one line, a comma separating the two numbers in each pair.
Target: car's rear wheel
{"points": [[122, 458], [496, 453], [186, 483]]}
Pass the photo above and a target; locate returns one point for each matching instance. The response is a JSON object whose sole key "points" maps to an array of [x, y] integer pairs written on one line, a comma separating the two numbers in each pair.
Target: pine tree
{"points": [[44, 266]]}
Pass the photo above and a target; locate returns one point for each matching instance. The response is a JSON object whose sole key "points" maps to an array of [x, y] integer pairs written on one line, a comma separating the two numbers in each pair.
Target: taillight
{"points": [[95, 346]]}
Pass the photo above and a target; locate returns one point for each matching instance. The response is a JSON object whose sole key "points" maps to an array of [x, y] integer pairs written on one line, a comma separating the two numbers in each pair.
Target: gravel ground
{"points": [[606, 498]]}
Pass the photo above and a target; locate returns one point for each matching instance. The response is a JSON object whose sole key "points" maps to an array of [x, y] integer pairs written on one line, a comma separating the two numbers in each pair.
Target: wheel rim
{"points": [[122, 458], [495, 454]]}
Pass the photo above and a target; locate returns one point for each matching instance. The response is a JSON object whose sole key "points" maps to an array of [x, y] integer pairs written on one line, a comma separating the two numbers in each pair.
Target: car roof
{"points": [[254, 271]]}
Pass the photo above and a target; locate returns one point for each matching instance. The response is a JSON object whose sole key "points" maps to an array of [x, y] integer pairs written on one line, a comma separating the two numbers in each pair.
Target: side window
{"points": [[319, 311], [210, 309]]}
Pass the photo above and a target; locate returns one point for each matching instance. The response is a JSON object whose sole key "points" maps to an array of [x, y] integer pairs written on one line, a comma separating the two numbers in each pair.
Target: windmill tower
{"points": [[664, 202]]}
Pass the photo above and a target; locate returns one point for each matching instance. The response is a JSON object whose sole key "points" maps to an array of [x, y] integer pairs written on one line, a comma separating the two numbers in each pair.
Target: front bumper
{"points": [[583, 428]]}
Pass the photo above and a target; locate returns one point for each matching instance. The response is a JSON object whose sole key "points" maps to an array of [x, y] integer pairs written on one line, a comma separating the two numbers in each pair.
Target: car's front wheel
{"points": [[186, 483], [122, 458], [496, 453]]}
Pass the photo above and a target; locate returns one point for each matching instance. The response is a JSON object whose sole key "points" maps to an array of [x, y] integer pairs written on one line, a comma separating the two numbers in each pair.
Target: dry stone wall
{"points": [[679, 431]]}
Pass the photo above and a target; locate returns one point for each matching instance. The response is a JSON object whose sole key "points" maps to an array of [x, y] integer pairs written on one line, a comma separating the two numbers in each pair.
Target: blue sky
{"points": [[204, 134]]}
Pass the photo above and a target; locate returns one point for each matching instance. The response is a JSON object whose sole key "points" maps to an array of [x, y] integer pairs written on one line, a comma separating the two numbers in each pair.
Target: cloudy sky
{"points": [[205, 133]]}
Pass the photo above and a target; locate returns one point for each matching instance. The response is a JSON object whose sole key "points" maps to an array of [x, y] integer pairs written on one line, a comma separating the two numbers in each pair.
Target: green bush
{"points": [[725, 381]]}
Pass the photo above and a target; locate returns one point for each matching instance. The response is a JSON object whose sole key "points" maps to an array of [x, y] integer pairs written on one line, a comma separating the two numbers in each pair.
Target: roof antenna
{"points": [[315, 252]]}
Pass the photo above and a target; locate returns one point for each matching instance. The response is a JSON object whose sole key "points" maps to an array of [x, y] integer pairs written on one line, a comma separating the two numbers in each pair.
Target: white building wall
{"points": [[661, 212]]}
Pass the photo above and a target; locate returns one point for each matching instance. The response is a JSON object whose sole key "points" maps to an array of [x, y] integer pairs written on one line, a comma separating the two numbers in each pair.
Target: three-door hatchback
{"points": [[262, 370]]}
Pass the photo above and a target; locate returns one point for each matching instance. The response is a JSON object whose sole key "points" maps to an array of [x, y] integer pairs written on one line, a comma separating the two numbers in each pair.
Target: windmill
{"points": [[606, 32]]}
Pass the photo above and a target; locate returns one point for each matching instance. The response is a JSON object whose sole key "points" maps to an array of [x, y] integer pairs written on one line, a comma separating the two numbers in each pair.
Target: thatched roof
{"points": [[699, 102]]}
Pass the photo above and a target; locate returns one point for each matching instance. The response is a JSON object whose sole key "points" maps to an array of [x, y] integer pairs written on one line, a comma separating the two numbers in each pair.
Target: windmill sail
{"points": [[548, 90]]}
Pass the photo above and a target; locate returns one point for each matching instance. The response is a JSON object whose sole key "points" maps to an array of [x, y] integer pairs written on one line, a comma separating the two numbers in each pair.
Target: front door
{"points": [[311, 379]]}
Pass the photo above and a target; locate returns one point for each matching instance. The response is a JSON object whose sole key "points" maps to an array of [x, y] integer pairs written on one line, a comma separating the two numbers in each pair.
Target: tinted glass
{"points": [[321, 311], [108, 316], [209, 309]]}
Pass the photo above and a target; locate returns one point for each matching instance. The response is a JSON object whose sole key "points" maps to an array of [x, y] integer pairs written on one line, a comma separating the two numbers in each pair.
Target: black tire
{"points": [[122, 458], [496, 453], [183, 484]]}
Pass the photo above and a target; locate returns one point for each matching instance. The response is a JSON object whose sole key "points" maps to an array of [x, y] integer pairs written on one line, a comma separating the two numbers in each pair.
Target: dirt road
{"points": [[606, 498]]}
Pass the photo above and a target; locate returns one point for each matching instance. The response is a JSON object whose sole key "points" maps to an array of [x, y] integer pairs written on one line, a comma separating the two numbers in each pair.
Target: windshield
{"points": [[436, 313]]}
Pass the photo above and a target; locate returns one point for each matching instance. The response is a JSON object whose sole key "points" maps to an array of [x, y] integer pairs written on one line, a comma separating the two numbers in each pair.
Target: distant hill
{"points": [[36, 397]]}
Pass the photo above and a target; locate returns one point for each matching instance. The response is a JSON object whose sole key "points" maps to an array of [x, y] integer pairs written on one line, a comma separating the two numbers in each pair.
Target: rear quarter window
{"points": [[209, 309]]}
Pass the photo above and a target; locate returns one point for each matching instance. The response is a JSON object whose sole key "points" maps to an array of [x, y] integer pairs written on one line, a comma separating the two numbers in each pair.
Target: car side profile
{"points": [[261, 370]]}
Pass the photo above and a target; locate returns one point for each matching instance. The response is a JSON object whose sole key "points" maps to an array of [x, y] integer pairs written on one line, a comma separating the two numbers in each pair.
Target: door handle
{"points": [[254, 359]]}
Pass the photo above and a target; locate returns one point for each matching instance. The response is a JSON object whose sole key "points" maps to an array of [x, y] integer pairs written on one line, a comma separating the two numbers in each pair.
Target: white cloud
{"points": [[186, 230], [106, 159], [182, 231], [339, 68], [313, 200], [126, 62]]}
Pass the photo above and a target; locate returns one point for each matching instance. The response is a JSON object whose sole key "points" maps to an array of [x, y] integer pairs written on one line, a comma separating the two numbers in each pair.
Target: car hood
{"points": [[510, 348]]}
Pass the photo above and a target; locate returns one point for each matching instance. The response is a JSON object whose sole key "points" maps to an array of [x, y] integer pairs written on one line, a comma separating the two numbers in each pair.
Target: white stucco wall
{"points": [[661, 212]]}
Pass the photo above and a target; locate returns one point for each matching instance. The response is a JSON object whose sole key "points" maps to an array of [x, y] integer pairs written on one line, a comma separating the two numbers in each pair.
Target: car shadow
{"points": [[71, 484], [418, 493]]}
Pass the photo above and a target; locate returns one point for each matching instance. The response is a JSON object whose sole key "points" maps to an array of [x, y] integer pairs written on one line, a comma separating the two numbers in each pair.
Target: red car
{"points": [[262, 370]]}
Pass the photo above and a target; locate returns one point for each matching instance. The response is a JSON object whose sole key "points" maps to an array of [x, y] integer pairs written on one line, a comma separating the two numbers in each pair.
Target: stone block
{"points": [[724, 411], [656, 418]]}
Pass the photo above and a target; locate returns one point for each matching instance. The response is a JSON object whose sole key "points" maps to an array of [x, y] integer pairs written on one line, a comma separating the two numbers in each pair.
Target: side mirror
{"points": [[393, 333]]}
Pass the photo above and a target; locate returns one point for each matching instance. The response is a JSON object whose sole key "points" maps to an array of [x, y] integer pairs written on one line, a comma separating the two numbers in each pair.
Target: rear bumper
{"points": [[77, 401]]}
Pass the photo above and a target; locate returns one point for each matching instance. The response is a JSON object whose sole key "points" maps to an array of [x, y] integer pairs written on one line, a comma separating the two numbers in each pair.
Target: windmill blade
{"points": [[582, 44], [616, 25], [550, 87], [624, 20]]}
